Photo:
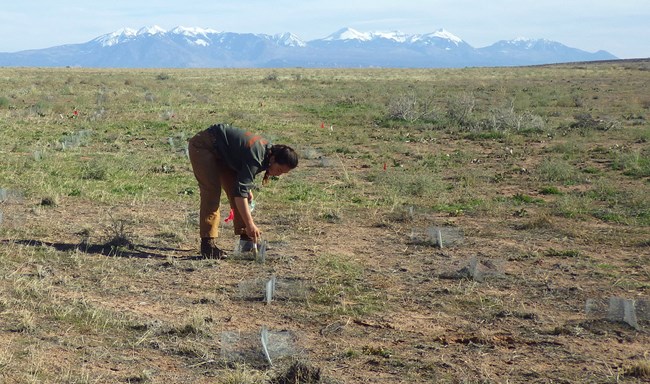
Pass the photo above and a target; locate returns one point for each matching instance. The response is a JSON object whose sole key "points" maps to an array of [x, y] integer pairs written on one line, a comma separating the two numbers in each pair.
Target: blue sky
{"points": [[620, 27]]}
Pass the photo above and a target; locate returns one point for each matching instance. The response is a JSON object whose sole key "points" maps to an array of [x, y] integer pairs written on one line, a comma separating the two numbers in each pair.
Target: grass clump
{"points": [[551, 190], [573, 206], [119, 235], [521, 198], [94, 170], [558, 170], [4, 102], [585, 122], [460, 110], [634, 163], [565, 254], [640, 370], [298, 372], [242, 374], [344, 289], [411, 108]]}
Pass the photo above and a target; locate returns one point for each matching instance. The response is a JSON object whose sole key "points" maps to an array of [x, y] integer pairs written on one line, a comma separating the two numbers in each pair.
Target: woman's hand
{"points": [[251, 229], [253, 232]]}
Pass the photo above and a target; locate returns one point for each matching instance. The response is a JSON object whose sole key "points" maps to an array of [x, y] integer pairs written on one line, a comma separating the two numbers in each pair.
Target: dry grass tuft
{"points": [[640, 370]]}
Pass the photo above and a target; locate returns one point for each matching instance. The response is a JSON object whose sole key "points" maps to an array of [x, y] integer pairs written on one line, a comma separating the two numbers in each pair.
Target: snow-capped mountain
{"points": [[185, 47], [289, 40], [116, 37], [522, 51], [346, 34], [349, 34], [522, 44]]}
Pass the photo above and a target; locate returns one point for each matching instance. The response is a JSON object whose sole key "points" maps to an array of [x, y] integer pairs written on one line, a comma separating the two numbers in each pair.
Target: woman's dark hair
{"points": [[284, 155]]}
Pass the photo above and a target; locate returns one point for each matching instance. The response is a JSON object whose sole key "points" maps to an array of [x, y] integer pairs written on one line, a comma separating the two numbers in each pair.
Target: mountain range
{"points": [[182, 47]]}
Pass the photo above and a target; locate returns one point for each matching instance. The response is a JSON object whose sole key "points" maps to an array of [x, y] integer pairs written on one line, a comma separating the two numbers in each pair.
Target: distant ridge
{"points": [[194, 47], [645, 60]]}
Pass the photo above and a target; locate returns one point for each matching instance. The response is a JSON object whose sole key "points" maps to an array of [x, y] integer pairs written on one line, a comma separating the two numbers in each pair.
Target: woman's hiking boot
{"points": [[209, 249]]}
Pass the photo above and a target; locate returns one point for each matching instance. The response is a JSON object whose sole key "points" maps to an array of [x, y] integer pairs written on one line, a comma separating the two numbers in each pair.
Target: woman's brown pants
{"points": [[213, 174]]}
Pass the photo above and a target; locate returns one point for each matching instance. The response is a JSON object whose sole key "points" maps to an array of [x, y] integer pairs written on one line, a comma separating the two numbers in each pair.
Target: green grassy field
{"points": [[543, 171]]}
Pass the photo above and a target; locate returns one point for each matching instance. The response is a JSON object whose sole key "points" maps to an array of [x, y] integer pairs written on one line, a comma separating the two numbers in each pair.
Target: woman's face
{"points": [[276, 169]]}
